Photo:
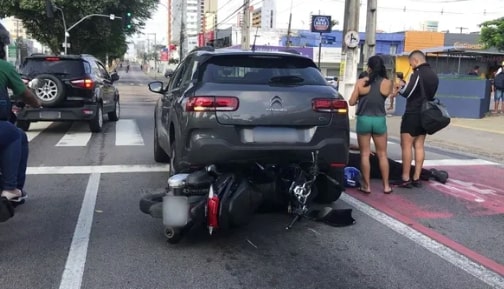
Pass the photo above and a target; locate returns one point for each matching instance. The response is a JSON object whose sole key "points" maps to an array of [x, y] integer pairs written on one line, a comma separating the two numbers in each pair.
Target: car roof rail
{"points": [[290, 50], [204, 48]]}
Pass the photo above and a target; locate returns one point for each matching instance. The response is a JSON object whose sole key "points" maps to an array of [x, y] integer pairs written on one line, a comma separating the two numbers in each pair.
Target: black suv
{"points": [[232, 106], [72, 88]]}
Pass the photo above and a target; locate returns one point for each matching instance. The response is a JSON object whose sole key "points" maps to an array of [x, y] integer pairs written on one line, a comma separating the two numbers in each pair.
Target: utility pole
{"points": [[461, 29], [289, 28], [370, 44], [350, 56], [246, 25], [182, 30]]}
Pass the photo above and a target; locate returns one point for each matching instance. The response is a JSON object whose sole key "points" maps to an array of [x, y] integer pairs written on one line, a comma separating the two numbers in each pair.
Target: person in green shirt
{"points": [[13, 141]]}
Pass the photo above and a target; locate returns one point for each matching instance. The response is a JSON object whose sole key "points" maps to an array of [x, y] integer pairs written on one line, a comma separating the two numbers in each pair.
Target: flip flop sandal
{"points": [[388, 192], [406, 184], [364, 191]]}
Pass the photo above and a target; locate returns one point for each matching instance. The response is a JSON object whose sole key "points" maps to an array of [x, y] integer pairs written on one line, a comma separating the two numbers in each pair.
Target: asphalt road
{"points": [[81, 227]]}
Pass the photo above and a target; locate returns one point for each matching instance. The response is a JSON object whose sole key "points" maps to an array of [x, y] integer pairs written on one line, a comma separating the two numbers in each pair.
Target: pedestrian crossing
{"points": [[127, 133]]}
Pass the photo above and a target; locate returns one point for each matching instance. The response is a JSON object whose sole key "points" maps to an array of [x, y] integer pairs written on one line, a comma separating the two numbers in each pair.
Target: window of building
{"points": [[393, 49]]}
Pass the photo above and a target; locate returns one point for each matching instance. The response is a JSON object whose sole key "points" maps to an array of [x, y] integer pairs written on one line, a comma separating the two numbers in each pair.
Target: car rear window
{"points": [[66, 67], [261, 69]]}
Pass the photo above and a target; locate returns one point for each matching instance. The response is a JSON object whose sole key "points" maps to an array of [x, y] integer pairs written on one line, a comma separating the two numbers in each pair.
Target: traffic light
{"points": [[128, 24]]}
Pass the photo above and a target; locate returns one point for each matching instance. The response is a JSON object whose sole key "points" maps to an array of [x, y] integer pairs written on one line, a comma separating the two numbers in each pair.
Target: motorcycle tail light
{"points": [[213, 212]]}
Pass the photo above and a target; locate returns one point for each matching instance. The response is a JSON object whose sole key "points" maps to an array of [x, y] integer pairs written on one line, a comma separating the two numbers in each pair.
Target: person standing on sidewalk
{"points": [[498, 90], [370, 94], [423, 85]]}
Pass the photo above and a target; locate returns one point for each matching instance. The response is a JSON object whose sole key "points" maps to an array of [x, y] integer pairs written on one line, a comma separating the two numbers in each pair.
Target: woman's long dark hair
{"points": [[3, 53], [377, 67]]}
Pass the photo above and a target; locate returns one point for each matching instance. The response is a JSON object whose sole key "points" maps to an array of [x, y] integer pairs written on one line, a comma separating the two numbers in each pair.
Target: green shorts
{"points": [[371, 125]]}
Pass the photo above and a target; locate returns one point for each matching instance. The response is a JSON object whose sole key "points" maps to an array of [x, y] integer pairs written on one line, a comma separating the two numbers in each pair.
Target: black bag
{"points": [[434, 116], [499, 81]]}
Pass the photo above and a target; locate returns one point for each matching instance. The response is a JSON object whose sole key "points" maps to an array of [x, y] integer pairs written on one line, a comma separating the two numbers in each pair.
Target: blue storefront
{"points": [[386, 43]]}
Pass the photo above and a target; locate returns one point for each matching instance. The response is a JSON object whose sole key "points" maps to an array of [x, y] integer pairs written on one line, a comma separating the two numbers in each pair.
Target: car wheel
{"points": [[52, 92], [327, 191], [174, 167], [96, 124], [114, 115], [160, 155], [23, 124]]}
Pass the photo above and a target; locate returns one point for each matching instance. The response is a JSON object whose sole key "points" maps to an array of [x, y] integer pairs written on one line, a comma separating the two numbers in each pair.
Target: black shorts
{"points": [[412, 124]]}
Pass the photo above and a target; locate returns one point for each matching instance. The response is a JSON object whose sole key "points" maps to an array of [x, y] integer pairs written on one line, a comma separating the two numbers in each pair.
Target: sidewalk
{"points": [[482, 138]]}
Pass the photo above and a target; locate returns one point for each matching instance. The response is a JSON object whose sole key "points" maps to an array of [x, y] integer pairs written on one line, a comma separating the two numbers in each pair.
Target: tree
{"points": [[97, 35], [334, 22], [492, 33]]}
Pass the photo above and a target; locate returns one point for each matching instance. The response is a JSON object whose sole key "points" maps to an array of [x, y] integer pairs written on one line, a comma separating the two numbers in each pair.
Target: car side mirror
{"points": [[114, 77], [168, 73], [156, 86]]}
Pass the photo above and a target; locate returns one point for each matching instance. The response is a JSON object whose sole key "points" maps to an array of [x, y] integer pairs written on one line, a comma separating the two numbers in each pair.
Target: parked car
{"points": [[232, 106], [72, 88]]}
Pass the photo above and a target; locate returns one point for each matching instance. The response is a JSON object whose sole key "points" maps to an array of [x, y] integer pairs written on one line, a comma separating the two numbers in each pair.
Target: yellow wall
{"points": [[422, 39], [402, 65]]}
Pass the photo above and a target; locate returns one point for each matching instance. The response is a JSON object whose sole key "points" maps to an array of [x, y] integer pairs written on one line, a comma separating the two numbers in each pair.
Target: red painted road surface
{"points": [[475, 192]]}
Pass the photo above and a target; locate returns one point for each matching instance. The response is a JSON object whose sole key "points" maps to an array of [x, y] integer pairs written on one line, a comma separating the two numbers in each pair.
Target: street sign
{"points": [[352, 39], [63, 45], [321, 24]]}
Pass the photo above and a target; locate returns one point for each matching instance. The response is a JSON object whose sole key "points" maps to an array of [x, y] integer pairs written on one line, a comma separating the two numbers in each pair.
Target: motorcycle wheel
{"points": [[173, 235]]}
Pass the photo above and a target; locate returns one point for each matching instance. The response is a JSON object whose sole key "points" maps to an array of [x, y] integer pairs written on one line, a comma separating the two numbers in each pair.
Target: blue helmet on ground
{"points": [[352, 177]]}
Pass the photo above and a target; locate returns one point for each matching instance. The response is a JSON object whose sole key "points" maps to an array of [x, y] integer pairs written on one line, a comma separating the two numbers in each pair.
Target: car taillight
{"points": [[212, 103], [52, 58], [83, 83], [330, 105]]}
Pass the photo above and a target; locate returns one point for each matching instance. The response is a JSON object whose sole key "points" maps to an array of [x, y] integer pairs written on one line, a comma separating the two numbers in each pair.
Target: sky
{"points": [[393, 15]]}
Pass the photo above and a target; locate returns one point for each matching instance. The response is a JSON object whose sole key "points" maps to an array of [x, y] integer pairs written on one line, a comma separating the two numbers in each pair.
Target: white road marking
{"points": [[128, 133], [36, 128], [456, 162], [458, 260], [77, 136], [76, 260], [103, 169]]}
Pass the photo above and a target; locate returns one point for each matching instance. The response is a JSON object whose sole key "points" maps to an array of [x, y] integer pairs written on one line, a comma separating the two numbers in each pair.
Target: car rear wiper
{"points": [[287, 79]]}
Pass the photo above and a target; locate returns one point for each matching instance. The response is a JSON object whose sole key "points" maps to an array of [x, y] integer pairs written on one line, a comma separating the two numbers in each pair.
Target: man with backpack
{"points": [[499, 89]]}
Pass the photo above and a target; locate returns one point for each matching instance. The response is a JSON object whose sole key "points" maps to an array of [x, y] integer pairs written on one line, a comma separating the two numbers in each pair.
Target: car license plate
{"points": [[50, 115], [175, 211]]}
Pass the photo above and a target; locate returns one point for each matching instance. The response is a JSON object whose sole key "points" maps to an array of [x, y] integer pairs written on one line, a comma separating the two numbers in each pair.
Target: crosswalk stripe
{"points": [[77, 136], [36, 128], [128, 133]]}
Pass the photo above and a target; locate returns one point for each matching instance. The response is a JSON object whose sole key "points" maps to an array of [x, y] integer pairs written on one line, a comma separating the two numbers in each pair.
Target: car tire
{"points": [[160, 155], [327, 191], [52, 93], [24, 125], [116, 113], [174, 166], [96, 124]]}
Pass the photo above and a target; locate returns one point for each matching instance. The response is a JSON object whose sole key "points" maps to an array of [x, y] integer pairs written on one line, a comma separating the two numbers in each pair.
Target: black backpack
{"points": [[499, 81]]}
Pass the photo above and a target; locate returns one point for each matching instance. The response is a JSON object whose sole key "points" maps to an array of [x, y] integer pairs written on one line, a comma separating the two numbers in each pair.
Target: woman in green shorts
{"points": [[369, 95]]}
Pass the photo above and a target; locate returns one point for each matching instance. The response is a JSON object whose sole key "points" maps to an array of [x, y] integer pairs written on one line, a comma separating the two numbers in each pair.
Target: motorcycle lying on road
{"points": [[228, 196]]}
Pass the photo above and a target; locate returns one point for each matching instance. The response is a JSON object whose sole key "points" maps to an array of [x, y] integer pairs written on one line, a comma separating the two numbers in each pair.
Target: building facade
{"points": [[184, 16]]}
